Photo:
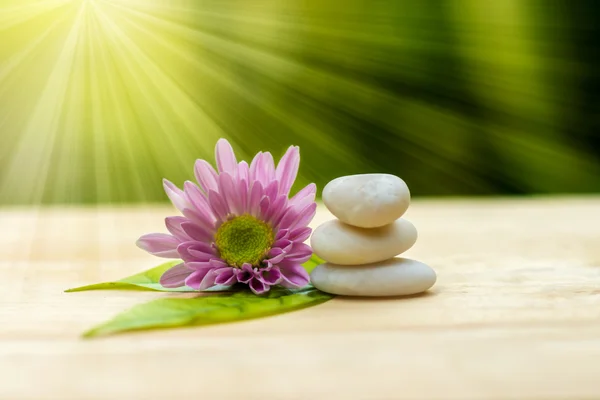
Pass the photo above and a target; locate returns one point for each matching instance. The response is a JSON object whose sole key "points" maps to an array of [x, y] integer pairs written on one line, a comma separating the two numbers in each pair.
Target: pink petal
{"points": [[264, 207], [243, 171], [201, 279], [254, 167], [218, 206], [287, 169], [196, 278], [276, 256], [282, 243], [282, 234], [308, 191], [245, 273], [300, 253], [226, 161], [176, 195], [208, 281], [217, 263], [300, 234], [256, 194], [206, 176], [267, 167], [199, 265], [195, 251], [196, 232], [183, 251], [207, 224], [257, 286], [293, 275], [272, 190], [243, 196], [229, 192], [270, 276], [200, 255], [175, 277], [262, 168], [303, 202], [277, 209], [287, 248], [288, 219], [159, 244], [225, 276], [299, 258], [204, 247], [199, 201], [174, 226], [300, 248], [304, 217]]}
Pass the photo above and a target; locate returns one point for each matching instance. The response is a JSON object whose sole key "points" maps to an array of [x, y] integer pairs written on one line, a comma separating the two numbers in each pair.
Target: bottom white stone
{"points": [[393, 277]]}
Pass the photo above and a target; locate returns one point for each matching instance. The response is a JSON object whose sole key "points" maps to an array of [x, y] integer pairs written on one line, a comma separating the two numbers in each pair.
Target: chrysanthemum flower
{"points": [[239, 226]]}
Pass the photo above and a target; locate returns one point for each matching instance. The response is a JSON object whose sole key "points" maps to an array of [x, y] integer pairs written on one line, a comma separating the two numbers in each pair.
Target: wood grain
{"points": [[515, 314]]}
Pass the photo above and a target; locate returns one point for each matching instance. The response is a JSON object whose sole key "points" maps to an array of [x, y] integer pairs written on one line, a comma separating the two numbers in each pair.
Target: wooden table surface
{"points": [[515, 314]]}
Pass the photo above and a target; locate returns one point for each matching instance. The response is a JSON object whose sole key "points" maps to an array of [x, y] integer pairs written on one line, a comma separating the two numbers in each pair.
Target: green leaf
{"points": [[209, 310], [150, 280], [312, 263], [147, 280]]}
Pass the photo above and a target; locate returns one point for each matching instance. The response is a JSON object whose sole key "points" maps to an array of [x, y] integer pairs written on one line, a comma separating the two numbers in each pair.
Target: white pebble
{"points": [[339, 243], [367, 200], [394, 277]]}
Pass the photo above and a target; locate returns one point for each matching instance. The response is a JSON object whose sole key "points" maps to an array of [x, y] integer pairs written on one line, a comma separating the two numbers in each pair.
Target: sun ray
{"points": [[23, 13], [118, 140], [213, 73], [29, 165], [189, 113], [196, 36], [100, 99], [99, 128]]}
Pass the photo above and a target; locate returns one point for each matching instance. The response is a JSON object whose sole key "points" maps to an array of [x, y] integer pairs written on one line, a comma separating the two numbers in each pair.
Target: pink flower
{"points": [[239, 226]]}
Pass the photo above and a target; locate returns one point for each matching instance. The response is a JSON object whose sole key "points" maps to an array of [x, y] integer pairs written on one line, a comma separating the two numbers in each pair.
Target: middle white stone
{"points": [[343, 244]]}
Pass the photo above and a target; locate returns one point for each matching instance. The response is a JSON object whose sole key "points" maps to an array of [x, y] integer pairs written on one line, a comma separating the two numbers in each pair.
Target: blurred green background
{"points": [[99, 100]]}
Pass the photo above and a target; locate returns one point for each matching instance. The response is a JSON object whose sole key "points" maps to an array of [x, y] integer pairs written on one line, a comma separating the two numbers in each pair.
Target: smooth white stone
{"points": [[367, 200], [343, 244], [394, 277]]}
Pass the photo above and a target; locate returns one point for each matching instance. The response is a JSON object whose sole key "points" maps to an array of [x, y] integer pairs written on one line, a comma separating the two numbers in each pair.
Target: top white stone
{"points": [[367, 200]]}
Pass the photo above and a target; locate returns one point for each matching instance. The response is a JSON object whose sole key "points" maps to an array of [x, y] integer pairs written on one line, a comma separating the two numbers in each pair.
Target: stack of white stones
{"points": [[361, 246]]}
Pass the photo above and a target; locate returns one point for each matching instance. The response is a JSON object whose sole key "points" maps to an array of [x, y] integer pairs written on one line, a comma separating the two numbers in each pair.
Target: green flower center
{"points": [[244, 239]]}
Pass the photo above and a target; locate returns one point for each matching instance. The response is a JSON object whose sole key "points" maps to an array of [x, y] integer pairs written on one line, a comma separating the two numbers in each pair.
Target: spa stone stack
{"points": [[361, 245]]}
